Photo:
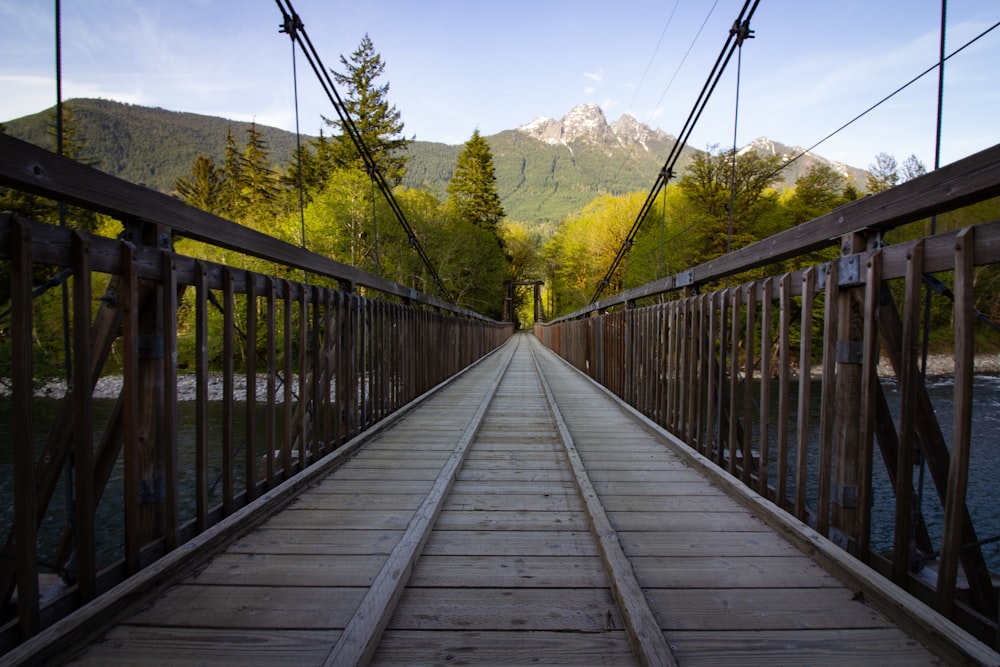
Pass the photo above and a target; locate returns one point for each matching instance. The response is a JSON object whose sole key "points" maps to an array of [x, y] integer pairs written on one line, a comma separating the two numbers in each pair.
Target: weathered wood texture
{"points": [[710, 566], [510, 573]]}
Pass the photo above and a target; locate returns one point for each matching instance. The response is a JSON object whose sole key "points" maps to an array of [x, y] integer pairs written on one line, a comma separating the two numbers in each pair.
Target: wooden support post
{"points": [[250, 375], [22, 431], [805, 373], [848, 454], [908, 385], [201, 396], [961, 432], [130, 408], [83, 422], [828, 396], [167, 445]]}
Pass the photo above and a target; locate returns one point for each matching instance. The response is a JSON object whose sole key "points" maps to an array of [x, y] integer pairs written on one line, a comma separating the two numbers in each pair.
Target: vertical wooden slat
{"points": [[130, 396], [784, 387], [83, 421], [327, 371], [805, 371], [703, 383], [831, 309], [734, 371], [692, 341], [961, 430], [315, 372], [711, 413], [749, 364], [250, 463], [270, 417], [908, 380], [303, 352], [228, 343], [869, 380], [287, 368], [201, 396], [171, 465], [766, 326], [22, 429]]}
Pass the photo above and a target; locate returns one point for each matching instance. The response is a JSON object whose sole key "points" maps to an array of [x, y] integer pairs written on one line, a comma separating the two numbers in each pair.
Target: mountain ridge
{"points": [[545, 168]]}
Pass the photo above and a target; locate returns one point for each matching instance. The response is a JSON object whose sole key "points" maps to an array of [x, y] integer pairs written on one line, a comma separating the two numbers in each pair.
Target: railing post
{"points": [[847, 457]]}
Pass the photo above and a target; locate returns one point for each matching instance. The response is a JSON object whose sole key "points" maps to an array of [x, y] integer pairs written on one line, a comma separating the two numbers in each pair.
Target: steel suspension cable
{"points": [[890, 96], [731, 43], [291, 18]]}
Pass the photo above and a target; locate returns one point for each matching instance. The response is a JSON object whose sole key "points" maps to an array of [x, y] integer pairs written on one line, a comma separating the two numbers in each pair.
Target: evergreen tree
{"points": [[472, 191], [258, 181], [202, 189], [378, 123], [229, 188]]}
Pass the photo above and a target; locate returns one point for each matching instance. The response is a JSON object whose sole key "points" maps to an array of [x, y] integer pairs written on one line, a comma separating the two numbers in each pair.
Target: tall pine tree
{"points": [[472, 190], [378, 123]]}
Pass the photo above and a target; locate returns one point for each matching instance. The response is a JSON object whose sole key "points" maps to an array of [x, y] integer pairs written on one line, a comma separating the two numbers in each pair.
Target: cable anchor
{"points": [[741, 31], [291, 25]]}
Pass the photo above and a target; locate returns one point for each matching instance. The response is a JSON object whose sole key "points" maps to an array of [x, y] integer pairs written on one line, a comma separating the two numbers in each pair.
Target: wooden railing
{"points": [[327, 363], [728, 369]]}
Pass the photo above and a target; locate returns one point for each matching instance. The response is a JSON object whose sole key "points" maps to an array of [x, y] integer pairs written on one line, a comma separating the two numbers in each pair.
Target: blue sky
{"points": [[455, 66]]}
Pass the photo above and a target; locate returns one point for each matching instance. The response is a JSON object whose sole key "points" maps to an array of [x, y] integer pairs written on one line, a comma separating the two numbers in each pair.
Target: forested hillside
{"points": [[539, 182]]}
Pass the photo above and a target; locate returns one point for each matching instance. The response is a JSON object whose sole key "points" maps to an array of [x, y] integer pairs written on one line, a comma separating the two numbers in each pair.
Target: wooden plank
{"points": [[644, 634], [126, 646], [510, 543], [289, 570], [399, 647], [361, 635], [698, 543], [877, 646], [511, 520], [514, 571], [581, 610], [264, 607], [316, 542], [731, 572], [762, 609]]}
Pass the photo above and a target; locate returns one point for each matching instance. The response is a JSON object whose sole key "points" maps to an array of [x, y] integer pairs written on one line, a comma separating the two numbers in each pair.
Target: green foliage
{"points": [[707, 185], [818, 191], [882, 174]]}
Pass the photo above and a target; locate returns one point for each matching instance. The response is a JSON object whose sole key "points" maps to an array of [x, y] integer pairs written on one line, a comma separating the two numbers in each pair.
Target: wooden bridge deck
{"points": [[508, 570]]}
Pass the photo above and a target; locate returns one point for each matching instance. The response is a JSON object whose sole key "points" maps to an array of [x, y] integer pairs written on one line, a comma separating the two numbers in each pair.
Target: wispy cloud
{"points": [[597, 76]]}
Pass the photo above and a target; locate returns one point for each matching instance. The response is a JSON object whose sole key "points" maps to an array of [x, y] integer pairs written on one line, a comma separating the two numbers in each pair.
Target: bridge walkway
{"points": [[485, 528]]}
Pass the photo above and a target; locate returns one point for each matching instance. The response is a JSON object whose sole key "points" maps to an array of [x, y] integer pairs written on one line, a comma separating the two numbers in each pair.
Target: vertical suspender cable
{"points": [[67, 360], [930, 293], [289, 28]]}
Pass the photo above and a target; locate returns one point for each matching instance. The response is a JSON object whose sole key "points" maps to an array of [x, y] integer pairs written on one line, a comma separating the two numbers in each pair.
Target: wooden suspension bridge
{"points": [[415, 484]]}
